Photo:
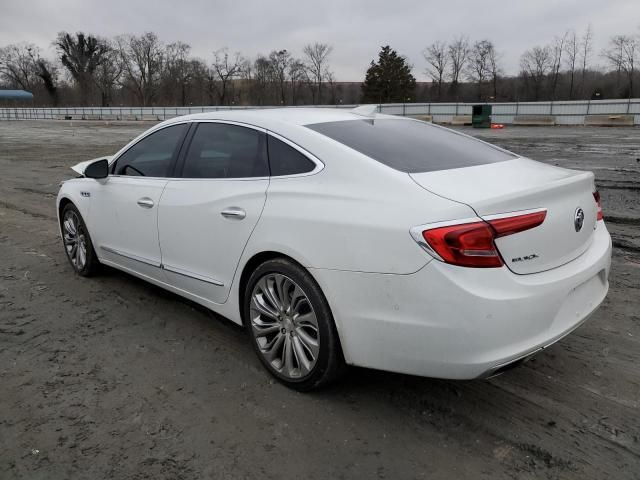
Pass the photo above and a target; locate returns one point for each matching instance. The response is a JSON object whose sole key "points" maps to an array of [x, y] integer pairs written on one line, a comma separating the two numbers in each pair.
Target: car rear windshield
{"points": [[411, 146]]}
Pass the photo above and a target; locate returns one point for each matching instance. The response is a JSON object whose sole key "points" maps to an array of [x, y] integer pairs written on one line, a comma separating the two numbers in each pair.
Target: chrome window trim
{"points": [[134, 142], [319, 163], [231, 122], [139, 176], [234, 179], [228, 122]]}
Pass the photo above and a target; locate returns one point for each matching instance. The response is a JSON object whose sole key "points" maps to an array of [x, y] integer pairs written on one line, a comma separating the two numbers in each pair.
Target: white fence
{"points": [[563, 112]]}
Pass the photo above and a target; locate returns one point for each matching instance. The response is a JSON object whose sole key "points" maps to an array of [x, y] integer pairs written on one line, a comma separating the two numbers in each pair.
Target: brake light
{"points": [[467, 245], [509, 225], [472, 244], [596, 197]]}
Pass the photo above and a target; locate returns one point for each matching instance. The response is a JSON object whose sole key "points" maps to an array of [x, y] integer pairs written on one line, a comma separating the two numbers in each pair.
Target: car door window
{"points": [[152, 156], [220, 150], [286, 160]]}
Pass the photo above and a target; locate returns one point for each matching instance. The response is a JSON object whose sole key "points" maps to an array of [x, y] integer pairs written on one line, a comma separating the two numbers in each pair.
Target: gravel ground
{"points": [[113, 378]]}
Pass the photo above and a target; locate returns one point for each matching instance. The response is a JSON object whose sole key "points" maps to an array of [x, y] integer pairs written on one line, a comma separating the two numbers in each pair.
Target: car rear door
{"points": [[206, 216], [124, 209]]}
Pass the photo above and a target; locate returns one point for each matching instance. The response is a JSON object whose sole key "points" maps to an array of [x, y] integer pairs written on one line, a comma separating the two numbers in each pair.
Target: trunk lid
{"points": [[519, 185]]}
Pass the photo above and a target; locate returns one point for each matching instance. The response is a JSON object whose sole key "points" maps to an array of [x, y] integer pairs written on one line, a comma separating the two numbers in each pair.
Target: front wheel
{"points": [[290, 325], [77, 242]]}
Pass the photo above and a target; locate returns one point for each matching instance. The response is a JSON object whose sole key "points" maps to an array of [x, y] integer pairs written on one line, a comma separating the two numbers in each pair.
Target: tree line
{"points": [[142, 70], [564, 69]]}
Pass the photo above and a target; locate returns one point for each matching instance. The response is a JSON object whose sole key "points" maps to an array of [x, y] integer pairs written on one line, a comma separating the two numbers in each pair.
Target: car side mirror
{"points": [[97, 169]]}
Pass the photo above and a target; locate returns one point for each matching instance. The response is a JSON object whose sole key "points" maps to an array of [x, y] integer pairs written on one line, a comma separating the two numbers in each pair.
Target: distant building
{"points": [[14, 98]]}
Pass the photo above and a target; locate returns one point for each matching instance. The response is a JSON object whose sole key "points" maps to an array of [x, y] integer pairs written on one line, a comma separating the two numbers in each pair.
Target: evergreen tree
{"points": [[389, 80]]}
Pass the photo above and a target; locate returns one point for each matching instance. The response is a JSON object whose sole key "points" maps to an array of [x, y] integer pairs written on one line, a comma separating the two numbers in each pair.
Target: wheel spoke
{"points": [[287, 353], [69, 226], [265, 330], [298, 300], [272, 350], [301, 355], [308, 341], [281, 292], [307, 320], [262, 307], [82, 255], [270, 294]]}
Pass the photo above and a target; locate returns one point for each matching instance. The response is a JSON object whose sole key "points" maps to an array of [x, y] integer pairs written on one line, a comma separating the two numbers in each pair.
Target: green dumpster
{"points": [[481, 116]]}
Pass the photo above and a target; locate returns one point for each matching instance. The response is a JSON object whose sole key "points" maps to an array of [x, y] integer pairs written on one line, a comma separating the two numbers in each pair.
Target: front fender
{"points": [[76, 191]]}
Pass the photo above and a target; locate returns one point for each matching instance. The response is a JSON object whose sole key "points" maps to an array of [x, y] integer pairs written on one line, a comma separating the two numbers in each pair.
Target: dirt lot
{"points": [[114, 378]]}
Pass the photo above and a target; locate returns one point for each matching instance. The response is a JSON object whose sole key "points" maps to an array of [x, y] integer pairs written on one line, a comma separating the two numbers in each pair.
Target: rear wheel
{"points": [[77, 242], [290, 325]]}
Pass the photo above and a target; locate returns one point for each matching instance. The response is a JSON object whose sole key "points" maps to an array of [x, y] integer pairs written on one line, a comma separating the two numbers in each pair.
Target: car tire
{"points": [[290, 325], [77, 242]]}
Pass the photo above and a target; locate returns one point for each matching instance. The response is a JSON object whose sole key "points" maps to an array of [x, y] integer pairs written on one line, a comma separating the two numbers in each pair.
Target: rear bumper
{"points": [[462, 323]]}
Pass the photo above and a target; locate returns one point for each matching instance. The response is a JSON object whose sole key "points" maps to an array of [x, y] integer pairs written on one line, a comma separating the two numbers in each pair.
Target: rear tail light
{"points": [[472, 244], [596, 197]]}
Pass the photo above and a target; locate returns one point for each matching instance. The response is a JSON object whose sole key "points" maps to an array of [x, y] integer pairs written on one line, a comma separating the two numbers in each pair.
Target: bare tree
{"points": [[81, 55], [262, 75], [316, 59], [436, 56], [622, 55], [614, 54], [16, 65], [142, 62], [47, 72], [571, 48], [198, 73], [280, 61], [224, 69], [586, 47], [478, 67], [557, 49], [535, 64], [296, 78], [107, 74], [495, 70], [178, 68], [458, 51], [333, 88], [22, 66]]}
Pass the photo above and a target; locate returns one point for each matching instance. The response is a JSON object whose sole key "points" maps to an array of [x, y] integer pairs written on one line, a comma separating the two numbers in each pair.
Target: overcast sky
{"points": [[356, 28]]}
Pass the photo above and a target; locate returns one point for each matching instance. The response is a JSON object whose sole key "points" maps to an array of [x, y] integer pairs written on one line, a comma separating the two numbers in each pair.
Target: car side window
{"points": [[152, 156], [286, 160], [221, 150]]}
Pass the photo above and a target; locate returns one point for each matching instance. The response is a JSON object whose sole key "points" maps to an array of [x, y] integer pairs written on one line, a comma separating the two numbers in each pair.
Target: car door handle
{"points": [[233, 212], [145, 202]]}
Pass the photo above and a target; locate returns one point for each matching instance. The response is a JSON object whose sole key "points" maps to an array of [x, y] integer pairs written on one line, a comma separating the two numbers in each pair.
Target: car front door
{"points": [[207, 214], [125, 204]]}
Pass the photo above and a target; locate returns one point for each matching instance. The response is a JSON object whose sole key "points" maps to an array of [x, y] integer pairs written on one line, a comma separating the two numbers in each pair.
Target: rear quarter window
{"points": [[411, 146], [285, 160]]}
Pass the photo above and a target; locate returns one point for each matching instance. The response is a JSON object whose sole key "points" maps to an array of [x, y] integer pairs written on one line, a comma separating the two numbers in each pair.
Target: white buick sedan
{"points": [[348, 237]]}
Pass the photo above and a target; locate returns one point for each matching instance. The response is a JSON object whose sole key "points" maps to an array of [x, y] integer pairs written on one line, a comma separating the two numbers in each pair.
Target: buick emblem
{"points": [[578, 219]]}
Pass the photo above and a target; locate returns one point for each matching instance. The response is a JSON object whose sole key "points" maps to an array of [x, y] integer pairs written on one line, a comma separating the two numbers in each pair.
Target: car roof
{"points": [[272, 118]]}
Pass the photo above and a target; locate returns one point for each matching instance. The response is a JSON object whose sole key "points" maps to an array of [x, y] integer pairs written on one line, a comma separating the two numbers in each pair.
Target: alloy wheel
{"points": [[284, 326], [74, 240]]}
